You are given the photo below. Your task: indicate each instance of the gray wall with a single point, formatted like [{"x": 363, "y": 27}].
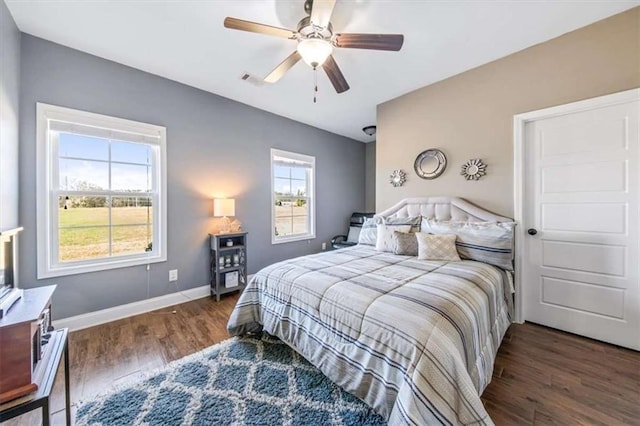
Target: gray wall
[
  {"x": 215, "y": 147},
  {"x": 9, "y": 106},
  {"x": 370, "y": 177}
]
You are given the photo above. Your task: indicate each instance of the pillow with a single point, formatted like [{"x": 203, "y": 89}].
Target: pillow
[
  {"x": 437, "y": 247},
  {"x": 488, "y": 242},
  {"x": 368, "y": 234},
  {"x": 384, "y": 240},
  {"x": 354, "y": 234},
  {"x": 413, "y": 221},
  {"x": 405, "y": 244}
]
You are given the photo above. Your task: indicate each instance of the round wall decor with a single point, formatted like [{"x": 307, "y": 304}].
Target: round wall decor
[
  {"x": 473, "y": 169},
  {"x": 430, "y": 164},
  {"x": 397, "y": 178}
]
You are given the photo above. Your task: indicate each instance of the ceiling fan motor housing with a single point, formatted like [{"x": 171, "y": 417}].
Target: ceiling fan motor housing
[{"x": 307, "y": 29}]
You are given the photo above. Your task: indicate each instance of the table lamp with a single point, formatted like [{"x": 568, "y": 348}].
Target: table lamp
[{"x": 224, "y": 207}]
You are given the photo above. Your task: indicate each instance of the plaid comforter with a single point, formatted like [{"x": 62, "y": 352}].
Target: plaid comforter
[{"x": 414, "y": 339}]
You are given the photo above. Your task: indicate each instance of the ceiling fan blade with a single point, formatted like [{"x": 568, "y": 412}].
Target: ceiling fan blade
[
  {"x": 254, "y": 27},
  {"x": 321, "y": 12},
  {"x": 284, "y": 66},
  {"x": 370, "y": 41},
  {"x": 335, "y": 75}
]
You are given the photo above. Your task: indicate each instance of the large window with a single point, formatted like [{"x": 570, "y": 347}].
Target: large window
[
  {"x": 101, "y": 192},
  {"x": 292, "y": 196}
]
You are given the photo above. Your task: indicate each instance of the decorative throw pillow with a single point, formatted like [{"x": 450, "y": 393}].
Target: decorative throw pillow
[
  {"x": 354, "y": 234},
  {"x": 405, "y": 243},
  {"x": 369, "y": 232},
  {"x": 437, "y": 247},
  {"x": 384, "y": 241},
  {"x": 488, "y": 242}
]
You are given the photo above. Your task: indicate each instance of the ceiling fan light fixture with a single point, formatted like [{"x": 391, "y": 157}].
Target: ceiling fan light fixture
[{"x": 314, "y": 51}]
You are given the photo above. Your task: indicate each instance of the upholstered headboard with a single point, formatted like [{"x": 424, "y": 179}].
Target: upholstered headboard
[{"x": 442, "y": 208}]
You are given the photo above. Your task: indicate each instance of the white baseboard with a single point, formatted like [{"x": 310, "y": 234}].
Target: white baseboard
[{"x": 91, "y": 319}]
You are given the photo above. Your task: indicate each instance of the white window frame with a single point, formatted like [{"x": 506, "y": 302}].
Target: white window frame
[
  {"x": 311, "y": 197},
  {"x": 48, "y": 190}
]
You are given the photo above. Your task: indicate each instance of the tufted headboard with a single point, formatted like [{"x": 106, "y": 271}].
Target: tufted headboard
[{"x": 442, "y": 208}]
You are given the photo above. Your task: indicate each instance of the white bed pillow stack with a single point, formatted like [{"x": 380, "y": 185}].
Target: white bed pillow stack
[
  {"x": 369, "y": 233},
  {"x": 488, "y": 242}
]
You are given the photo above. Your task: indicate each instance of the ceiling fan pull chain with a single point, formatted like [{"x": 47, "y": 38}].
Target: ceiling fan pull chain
[{"x": 315, "y": 84}]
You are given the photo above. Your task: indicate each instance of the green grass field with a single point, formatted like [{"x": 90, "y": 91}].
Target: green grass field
[{"x": 130, "y": 232}]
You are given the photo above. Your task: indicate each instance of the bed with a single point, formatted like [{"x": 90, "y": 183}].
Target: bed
[{"x": 414, "y": 339}]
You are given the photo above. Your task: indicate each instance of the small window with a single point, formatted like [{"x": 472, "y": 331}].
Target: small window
[
  {"x": 101, "y": 192},
  {"x": 292, "y": 196}
]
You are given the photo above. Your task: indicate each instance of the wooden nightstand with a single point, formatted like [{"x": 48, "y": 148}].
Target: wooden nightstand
[{"x": 228, "y": 262}]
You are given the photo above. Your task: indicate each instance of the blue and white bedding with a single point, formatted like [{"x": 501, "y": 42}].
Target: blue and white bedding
[{"x": 414, "y": 339}]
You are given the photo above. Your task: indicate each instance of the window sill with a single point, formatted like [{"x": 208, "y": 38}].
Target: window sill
[
  {"x": 292, "y": 239},
  {"x": 60, "y": 270}
]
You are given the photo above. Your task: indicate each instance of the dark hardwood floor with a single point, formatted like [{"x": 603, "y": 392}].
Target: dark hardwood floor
[{"x": 542, "y": 376}]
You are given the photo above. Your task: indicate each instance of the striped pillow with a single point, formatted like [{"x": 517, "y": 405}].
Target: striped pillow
[
  {"x": 487, "y": 242},
  {"x": 369, "y": 233}
]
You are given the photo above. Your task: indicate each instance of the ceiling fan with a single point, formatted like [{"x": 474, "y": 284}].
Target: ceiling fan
[{"x": 316, "y": 42}]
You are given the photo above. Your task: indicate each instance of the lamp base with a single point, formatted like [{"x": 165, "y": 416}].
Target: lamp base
[{"x": 226, "y": 225}]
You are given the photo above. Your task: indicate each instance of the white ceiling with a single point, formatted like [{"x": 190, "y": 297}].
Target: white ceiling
[{"x": 186, "y": 41}]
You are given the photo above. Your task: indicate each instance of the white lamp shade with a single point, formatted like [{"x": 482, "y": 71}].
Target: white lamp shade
[
  {"x": 314, "y": 51},
  {"x": 224, "y": 207}
]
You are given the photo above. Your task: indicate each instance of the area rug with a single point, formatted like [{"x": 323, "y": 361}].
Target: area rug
[{"x": 241, "y": 381}]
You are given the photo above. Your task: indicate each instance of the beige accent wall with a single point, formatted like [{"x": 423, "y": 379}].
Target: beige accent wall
[{"x": 471, "y": 115}]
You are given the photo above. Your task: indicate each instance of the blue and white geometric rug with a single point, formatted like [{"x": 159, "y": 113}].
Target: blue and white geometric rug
[{"x": 241, "y": 381}]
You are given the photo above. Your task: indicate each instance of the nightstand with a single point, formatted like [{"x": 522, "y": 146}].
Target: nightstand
[{"x": 228, "y": 262}]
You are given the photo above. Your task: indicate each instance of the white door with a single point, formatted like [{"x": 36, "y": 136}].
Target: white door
[{"x": 580, "y": 268}]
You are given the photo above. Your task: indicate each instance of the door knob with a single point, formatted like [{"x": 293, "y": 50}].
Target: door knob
[{"x": 532, "y": 231}]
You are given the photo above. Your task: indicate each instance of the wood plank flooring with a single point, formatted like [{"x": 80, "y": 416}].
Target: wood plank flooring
[{"x": 542, "y": 376}]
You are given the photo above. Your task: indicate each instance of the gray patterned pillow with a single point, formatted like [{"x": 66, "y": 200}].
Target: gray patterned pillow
[{"x": 405, "y": 243}]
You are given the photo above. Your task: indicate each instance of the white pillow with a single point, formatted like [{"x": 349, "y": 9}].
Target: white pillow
[
  {"x": 368, "y": 233},
  {"x": 384, "y": 239},
  {"x": 354, "y": 234},
  {"x": 437, "y": 247}
]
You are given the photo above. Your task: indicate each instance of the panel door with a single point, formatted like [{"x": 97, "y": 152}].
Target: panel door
[{"x": 581, "y": 267}]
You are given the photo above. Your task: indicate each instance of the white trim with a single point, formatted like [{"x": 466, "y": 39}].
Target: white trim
[
  {"x": 46, "y": 192},
  {"x": 519, "y": 123},
  {"x": 311, "y": 196},
  {"x": 103, "y": 316}
]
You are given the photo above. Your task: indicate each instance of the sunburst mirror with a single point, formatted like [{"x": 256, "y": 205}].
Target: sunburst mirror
[
  {"x": 397, "y": 178},
  {"x": 474, "y": 169}
]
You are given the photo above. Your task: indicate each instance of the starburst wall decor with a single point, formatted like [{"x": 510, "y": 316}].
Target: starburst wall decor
[
  {"x": 474, "y": 169},
  {"x": 398, "y": 178}
]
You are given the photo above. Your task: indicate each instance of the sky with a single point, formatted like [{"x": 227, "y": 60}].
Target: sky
[
  {"x": 83, "y": 166},
  {"x": 290, "y": 179}
]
